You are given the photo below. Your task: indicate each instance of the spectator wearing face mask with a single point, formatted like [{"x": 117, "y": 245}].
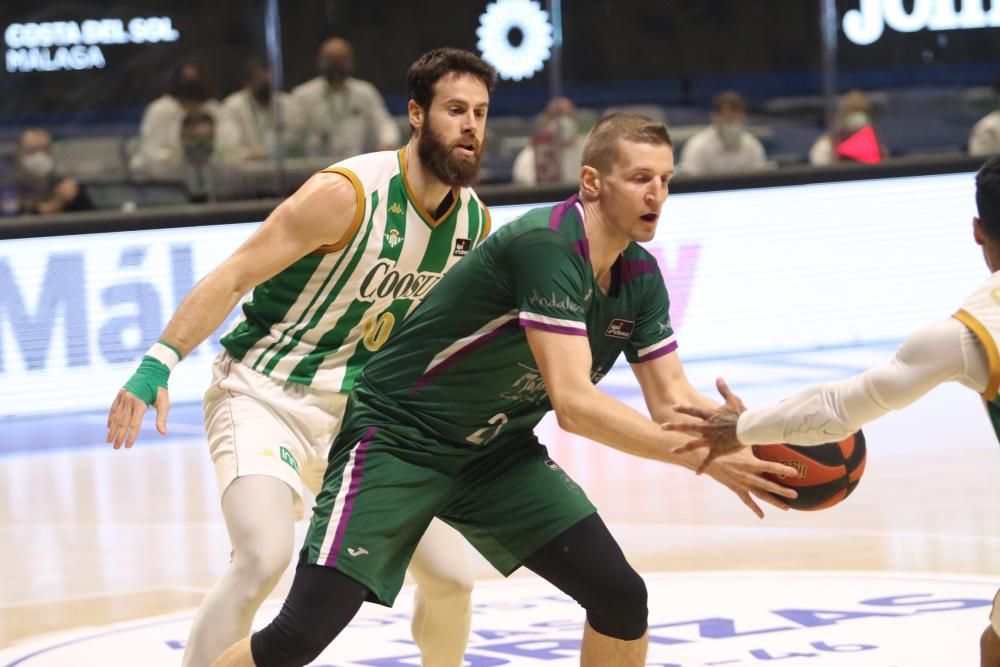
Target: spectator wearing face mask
[
  {"x": 854, "y": 112},
  {"x": 247, "y": 125},
  {"x": 197, "y": 137},
  {"x": 342, "y": 116},
  {"x": 159, "y": 152},
  {"x": 556, "y": 149},
  {"x": 40, "y": 189},
  {"x": 985, "y": 136},
  {"x": 725, "y": 146}
]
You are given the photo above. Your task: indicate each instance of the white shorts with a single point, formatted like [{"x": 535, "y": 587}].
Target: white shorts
[{"x": 260, "y": 426}]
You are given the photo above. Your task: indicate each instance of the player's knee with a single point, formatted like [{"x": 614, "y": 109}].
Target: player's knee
[
  {"x": 619, "y": 607},
  {"x": 445, "y": 586},
  {"x": 259, "y": 569}
]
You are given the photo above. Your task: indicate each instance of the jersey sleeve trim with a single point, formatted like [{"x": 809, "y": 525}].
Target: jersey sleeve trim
[
  {"x": 552, "y": 324},
  {"x": 487, "y": 224},
  {"x": 658, "y": 349},
  {"x": 359, "y": 211},
  {"x": 984, "y": 336}
]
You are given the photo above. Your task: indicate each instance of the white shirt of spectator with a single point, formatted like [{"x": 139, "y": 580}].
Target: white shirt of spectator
[
  {"x": 342, "y": 123},
  {"x": 705, "y": 153},
  {"x": 525, "y": 170},
  {"x": 159, "y": 152},
  {"x": 246, "y": 127},
  {"x": 985, "y": 136}
]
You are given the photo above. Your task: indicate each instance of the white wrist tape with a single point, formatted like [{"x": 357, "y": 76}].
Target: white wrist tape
[{"x": 165, "y": 354}]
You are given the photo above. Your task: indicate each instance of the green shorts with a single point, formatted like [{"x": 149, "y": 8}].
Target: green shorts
[{"x": 385, "y": 482}]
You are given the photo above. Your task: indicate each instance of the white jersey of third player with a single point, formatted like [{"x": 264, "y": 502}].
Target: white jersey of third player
[{"x": 318, "y": 321}]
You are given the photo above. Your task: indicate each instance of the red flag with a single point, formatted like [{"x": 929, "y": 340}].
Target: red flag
[{"x": 861, "y": 146}]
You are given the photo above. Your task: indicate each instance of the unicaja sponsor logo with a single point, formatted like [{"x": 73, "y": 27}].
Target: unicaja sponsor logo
[
  {"x": 867, "y": 24},
  {"x": 552, "y": 301}
]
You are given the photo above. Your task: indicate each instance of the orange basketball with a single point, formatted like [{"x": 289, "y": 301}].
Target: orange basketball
[{"x": 827, "y": 473}]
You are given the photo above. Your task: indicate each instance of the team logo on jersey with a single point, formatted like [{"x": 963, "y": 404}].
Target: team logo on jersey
[
  {"x": 620, "y": 329},
  {"x": 462, "y": 247},
  {"x": 393, "y": 237},
  {"x": 288, "y": 458},
  {"x": 395, "y": 208}
]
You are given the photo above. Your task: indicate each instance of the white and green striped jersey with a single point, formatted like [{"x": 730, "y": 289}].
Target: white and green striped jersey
[{"x": 318, "y": 321}]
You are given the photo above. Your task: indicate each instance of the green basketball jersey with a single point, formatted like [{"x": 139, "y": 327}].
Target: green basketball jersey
[
  {"x": 981, "y": 314},
  {"x": 461, "y": 368},
  {"x": 317, "y": 322}
]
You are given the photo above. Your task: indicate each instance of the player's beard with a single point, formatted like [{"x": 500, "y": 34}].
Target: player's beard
[{"x": 441, "y": 160}]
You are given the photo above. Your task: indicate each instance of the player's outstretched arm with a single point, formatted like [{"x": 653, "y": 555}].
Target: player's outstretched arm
[
  {"x": 665, "y": 386},
  {"x": 581, "y": 408},
  {"x": 938, "y": 352},
  {"x": 321, "y": 212}
]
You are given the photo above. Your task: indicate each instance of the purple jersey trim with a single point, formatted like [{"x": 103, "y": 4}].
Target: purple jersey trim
[
  {"x": 560, "y": 210},
  {"x": 352, "y": 493},
  {"x": 663, "y": 351},
  {"x": 633, "y": 268},
  {"x": 554, "y": 328},
  {"x": 460, "y": 354}
]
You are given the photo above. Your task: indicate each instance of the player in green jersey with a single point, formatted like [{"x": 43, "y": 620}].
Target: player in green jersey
[
  {"x": 334, "y": 269},
  {"x": 441, "y": 418}
]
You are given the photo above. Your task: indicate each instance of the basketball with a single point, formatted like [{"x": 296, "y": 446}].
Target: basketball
[{"x": 828, "y": 473}]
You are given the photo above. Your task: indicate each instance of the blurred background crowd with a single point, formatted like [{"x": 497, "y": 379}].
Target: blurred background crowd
[{"x": 137, "y": 105}]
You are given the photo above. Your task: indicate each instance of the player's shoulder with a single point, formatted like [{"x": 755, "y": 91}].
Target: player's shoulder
[
  {"x": 639, "y": 265},
  {"x": 371, "y": 170},
  {"x": 531, "y": 227},
  {"x": 989, "y": 288}
]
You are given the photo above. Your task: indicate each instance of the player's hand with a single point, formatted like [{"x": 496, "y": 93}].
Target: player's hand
[
  {"x": 147, "y": 386},
  {"x": 716, "y": 429},
  {"x": 744, "y": 474},
  {"x": 126, "y": 413}
]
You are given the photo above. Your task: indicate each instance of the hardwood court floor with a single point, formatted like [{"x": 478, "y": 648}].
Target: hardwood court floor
[{"x": 90, "y": 536}]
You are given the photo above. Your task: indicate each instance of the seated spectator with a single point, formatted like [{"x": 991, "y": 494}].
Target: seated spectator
[
  {"x": 725, "y": 146},
  {"x": 40, "y": 189},
  {"x": 342, "y": 116},
  {"x": 556, "y": 149},
  {"x": 197, "y": 139},
  {"x": 159, "y": 153},
  {"x": 985, "y": 136},
  {"x": 854, "y": 112},
  {"x": 247, "y": 128}
]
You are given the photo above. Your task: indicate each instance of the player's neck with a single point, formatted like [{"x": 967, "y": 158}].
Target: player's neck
[
  {"x": 428, "y": 190},
  {"x": 605, "y": 244}
]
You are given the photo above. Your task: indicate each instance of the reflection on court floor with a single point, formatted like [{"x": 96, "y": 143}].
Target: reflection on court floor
[{"x": 107, "y": 553}]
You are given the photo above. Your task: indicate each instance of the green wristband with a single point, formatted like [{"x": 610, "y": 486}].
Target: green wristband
[{"x": 145, "y": 383}]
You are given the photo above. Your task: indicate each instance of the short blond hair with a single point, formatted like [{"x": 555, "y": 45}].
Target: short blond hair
[{"x": 601, "y": 148}]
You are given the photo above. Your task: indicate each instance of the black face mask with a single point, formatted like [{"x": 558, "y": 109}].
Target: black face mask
[
  {"x": 194, "y": 90},
  {"x": 262, "y": 94},
  {"x": 335, "y": 73},
  {"x": 198, "y": 150}
]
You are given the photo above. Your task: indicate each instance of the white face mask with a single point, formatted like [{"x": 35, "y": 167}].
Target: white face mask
[
  {"x": 38, "y": 164},
  {"x": 567, "y": 129},
  {"x": 855, "y": 120},
  {"x": 731, "y": 134}
]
